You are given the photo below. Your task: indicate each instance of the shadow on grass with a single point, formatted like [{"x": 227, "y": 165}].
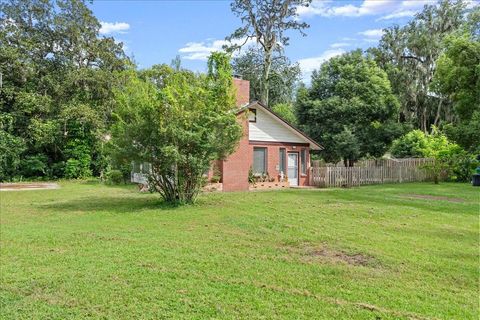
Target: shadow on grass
[{"x": 109, "y": 204}]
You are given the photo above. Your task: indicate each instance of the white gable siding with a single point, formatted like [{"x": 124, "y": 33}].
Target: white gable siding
[{"x": 268, "y": 128}]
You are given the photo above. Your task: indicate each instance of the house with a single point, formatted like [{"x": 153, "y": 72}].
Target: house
[{"x": 269, "y": 146}]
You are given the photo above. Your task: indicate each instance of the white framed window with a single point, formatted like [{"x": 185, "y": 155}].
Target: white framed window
[{"x": 259, "y": 160}]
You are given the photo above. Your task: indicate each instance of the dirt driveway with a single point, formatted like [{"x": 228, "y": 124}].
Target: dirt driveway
[{"x": 28, "y": 186}]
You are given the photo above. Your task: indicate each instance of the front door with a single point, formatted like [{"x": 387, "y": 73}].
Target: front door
[{"x": 292, "y": 172}]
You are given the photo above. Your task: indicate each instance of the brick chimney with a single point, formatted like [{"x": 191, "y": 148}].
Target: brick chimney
[{"x": 243, "y": 91}]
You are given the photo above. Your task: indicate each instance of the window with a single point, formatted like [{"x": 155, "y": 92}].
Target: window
[
  {"x": 252, "y": 115},
  {"x": 303, "y": 161},
  {"x": 259, "y": 160},
  {"x": 282, "y": 166}
]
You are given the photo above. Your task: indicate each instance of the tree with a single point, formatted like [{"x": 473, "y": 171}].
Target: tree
[
  {"x": 11, "y": 147},
  {"x": 286, "y": 111},
  {"x": 267, "y": 22},
  {"x": 284, "y": 75},
  {"x": 458, "y": 78},
  {"x": 408, "y": 55},
  {"x": 179, "y": 125},
  {"x": 349, "y": 108},
  {"x": 58, "y": 75}
]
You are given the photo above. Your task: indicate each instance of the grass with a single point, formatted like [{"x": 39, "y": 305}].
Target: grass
[{"x": 98, "y": 252}]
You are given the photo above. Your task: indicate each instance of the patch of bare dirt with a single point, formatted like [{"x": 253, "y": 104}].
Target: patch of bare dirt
[
  {"x": 28, "y": 186},
  {"x": 322, "y": 253},
  {"x": 429, "y": 197},
  {"x": 356, "y": 259}
]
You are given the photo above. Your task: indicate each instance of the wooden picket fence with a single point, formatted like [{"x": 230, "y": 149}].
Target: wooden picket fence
[{"x": 370, "y": 172}]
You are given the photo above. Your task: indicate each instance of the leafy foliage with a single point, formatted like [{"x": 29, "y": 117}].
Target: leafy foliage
[
  {"x": 286, "y": 111},
  {"x": 451, "y": 161},
  {"x": 458, "y": 78},
  {"x": 179, "y": 125},
  {"x": 58, "y": 75},
  {"x": 416, "y": 143},
  {"x": 11, "y": 147},
  {"x": 115, "y": 177},
  {"x": 350, "y": 108}
]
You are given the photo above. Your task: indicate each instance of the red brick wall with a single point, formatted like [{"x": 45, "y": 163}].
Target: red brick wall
[
  {"x": 235, "y": 167},
  {"x": 242, "y": 91},
  {"x": 273, "y": 158}
]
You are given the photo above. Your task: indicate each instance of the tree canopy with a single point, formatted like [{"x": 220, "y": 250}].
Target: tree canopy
[
  {"x": 56, "y": 98},
  {"x": 408, "y": 54},
  {"x": 457, "y": 77},
  {"x": 349, "y": 108}
]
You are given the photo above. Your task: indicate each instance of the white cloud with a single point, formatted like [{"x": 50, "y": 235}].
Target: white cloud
[
  {"x": 307, "y": 65},
  {"x": 389, "y": 8},
  {"x": 201, "y": 50},
  {"x": 113, "y": 27},
  {"x": 372, "y": 33},
  {"x": 339, "y": 45},
  {"x": 398, "y": 14}
]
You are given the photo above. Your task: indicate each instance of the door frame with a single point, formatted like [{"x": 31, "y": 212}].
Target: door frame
[{"x": 298, "y": 166}]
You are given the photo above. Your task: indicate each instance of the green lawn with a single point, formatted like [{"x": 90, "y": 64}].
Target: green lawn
[{"x": 375, "y": 252}]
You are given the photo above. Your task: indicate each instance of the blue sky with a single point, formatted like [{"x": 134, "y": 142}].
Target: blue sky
[{"x": 155, "y": 32}]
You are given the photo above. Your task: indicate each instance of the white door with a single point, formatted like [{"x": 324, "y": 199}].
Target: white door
[{"x": 292, "y": 172}]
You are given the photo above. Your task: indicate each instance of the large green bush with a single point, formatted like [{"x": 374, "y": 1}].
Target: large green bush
[
  {"x": 115, "y": 177},
  {"x": 412, "y": 145},
  {"x": 178, "y": 122},
  {"x": 451, "y": 161},
  {"x": 417, "y": 144},
  {"x": 34, "y": 166}
]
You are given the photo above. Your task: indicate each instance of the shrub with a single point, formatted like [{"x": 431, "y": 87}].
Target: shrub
[
  {"x": 76, "y": 169},
  {"x": 79, "y": 161},
  {"x": 451, "y": 161},
  {"x": 215, "y": 179},
  {"x": 33, "y": 166},
  {"x": 251, "y": 176},
  {"x": 57, "y": 170},
  {"x": 461, "y": 165},
  {"x": 417, "y": 144},
  {"x": 413, "y": 144},
  {"x": 115, "y": 177},
  {"x": 178, "y": 124}
]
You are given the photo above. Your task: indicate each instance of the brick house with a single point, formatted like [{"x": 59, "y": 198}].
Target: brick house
[{"x": 270, "y": 145}]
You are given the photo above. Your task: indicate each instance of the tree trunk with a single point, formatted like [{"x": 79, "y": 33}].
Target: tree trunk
[
  {"x": 265, "y": 77},
  {"x": 437, "y": 117}
]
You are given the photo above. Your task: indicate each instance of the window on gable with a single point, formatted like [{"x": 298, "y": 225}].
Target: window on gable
[
  {"x": 252, "y": 115},
  {"x": 259, "y": 161}
]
